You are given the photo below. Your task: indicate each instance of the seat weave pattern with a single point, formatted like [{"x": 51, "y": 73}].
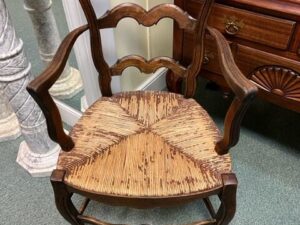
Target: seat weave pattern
[{"x": 145, "y": 144}]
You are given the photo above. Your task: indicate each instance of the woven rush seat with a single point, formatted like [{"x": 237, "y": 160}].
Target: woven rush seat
[{"x": 145, "y": 144}]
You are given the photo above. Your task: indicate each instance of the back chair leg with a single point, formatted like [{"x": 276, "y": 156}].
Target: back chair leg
[
  {"x": 228, "y": 199},
  {"x": 63, "y": 198}
]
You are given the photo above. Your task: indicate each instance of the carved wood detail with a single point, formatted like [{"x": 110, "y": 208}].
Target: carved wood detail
[
  {"x": 147, "y": 66},
  {"x": 270, "y": 37},
  {"x": 278, "y": 80},
  {"x": 131, "y": 10}
]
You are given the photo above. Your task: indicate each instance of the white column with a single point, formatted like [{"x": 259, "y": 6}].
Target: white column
[
  {"x": 37, "y": 153},
  {"x": 75, "y": 18},
  {"x": 48, "y": 37},
  {"x": 9, "y": 125}
]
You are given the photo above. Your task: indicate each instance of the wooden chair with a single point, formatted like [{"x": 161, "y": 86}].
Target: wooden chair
[{"x": 145, "y": 149}]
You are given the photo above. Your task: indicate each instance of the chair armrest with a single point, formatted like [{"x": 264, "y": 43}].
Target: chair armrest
[
  {"x": 236, "y": 80},
  {"x": 39, "y": 90},
  {"x": 243, "y": 89}
]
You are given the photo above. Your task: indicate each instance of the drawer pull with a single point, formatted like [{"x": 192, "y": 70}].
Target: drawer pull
[
  {"x": 206, "y": 60},
  {"x": 232, "y": 26},
  {"x": 207, "y": 57}
]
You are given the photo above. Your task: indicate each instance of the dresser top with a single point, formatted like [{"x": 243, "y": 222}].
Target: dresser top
[{"x": 289, "y": 9}]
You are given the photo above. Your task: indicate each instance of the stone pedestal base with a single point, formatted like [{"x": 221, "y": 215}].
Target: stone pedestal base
[
  {"x": 68, "y": 86},
  {"x": 38, "y": 165},
  {"x": 9, "y": 128}
]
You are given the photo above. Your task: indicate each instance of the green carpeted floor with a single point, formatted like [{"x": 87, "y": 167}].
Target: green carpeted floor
[{"x": 266, "y": 161}]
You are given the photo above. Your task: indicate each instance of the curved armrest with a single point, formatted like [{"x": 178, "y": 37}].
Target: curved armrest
[
  {"x": 236, "y": 80},
  {"x": 39, "y": 90},
  {"x": 243, "y": 89}
]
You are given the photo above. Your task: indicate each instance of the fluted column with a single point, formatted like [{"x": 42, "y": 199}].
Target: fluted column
[
  {"x": 37, "y": 154},
  {"x": 48, "y": 38},
  {"x": 9, "y": 125}
]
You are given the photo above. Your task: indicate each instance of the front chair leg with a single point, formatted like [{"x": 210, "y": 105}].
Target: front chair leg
[
  {"x": 63, "y": 198},
  {"x": 228, "y": 199}
]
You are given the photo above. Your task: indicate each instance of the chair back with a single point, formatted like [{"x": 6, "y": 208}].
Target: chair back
[{"x": 147, "y": 18}]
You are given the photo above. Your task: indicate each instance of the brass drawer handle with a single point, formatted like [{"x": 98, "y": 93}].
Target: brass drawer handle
[
  {"x": 206, "y": 60},
  {"x": 208, "y": 56},
  {"x": 232, "y": 25}
]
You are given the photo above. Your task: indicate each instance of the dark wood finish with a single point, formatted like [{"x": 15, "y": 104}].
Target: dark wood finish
[
  {"x": 242, "y": 88},
  {"x": 198, "y": 51},
  {"x": 239, "y": 23},
  {"x": 264, "y": 33},
  {"x": 279, "y": 85},
  {"x": 238, "y": 83},
  {"x": 39, "y": 90},
  {"x": 142, "y": 120},
  {"x": 174, "y": 82},
  {"x": 228, "y": 200},
  {"x": 148, "y": 18},
  {"x": 63, "y": 198},
  {"x": 111, "y": 19},
  {"x": 96, "y": 47},
  {"x": 146, "y": 66},
  {"x": 63, "y": 193},
  {"x": 210, "y": 207}
]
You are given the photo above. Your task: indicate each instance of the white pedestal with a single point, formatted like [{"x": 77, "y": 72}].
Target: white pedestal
[
  {"x": 68, "y": 86},
  {"x": 9, "y": 128},
  {"x": 38, "y": 165}
]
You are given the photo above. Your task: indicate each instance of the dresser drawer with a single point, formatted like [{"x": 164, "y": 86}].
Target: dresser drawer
[
  {"x": 210, "y": 61},
  {"x": 250, "y": 26},
  {"x": 249, "y": 59}
]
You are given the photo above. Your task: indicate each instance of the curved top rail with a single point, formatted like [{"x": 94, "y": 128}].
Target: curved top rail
[{"x": 147, "y": 18}]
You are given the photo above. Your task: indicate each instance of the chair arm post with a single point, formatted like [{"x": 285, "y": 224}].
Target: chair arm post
[
  {"x": 243, "y": 89},
  {"x": 233, "y": 119},
  {"x": 39, "y": 90},
  {"x": 53, "y": 119}
]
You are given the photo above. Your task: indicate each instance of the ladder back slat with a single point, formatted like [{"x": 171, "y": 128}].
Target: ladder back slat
[{"x": 147, "y": 66}]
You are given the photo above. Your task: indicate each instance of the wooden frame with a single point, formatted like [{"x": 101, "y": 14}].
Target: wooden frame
[
  {"x": 244, "y": 90},
  {"x": 63, "y": 194}
]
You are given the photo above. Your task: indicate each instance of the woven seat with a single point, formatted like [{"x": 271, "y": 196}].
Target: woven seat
[{"x": 145, "y": 144}]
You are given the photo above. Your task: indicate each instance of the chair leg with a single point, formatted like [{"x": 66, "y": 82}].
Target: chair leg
[
  {"x": 228, "y": 200},
  {"x": 63, "y": 198}
]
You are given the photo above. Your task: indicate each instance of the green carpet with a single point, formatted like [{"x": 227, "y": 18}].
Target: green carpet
[{"x": 266, "y": 161}]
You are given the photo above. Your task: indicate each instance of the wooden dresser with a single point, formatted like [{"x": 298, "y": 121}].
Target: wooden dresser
[{"x": 265, "y": 39}]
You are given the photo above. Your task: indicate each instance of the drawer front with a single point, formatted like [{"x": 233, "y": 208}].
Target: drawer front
[
  {"x": 210, "y": 61},
  {"x": 249, "y": 59},
  {"x": 255, "y": 27}
]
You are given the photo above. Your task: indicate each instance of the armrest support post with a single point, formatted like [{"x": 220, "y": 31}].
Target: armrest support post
[
  {"x": 243, "y": 89},
  {"x": 39, "y": 90}
]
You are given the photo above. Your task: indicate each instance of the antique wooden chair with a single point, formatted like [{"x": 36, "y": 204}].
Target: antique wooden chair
[{"x": 145, "y": 149}]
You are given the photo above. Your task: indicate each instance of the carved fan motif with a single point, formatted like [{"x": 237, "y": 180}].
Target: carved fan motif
[{"x": 278, "y": 80}]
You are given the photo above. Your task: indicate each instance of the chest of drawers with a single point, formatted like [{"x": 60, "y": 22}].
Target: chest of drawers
[{"x": 265, "y": 39}]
